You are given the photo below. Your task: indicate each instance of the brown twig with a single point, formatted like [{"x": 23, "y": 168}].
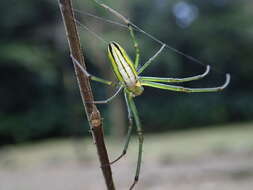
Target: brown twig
[{"x": 92, "y": 112}]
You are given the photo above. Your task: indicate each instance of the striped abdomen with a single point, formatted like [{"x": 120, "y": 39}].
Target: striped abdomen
[{"x": 124, "y": 69}]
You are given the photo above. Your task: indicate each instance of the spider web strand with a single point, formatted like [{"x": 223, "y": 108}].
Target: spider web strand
[{"x": 138, "y": 29}]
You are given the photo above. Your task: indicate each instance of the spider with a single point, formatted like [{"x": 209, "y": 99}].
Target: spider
[{"x": 131, "y": 82}]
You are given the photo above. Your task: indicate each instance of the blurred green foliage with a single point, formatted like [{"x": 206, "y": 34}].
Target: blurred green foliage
[{"x": 38, "y": 93}]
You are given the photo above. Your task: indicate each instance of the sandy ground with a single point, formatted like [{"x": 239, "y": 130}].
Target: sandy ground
[{"x": 67, "y": 165}]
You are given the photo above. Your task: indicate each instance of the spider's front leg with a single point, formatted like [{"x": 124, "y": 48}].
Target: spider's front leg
[
  {"x": 136, "y": 46},
  {"x": 130, "y": 27}
]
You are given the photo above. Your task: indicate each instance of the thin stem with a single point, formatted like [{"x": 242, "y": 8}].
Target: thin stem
[{"x": 92, "y": 112}]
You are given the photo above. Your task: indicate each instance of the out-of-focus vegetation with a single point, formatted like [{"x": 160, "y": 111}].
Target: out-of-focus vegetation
[
  {"x": 38, "y": 93},
  {"x": 219, "y": 157},
  {"x": 199, "y": 142}
]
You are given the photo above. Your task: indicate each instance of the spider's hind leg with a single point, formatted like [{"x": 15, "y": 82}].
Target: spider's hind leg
[{"x": 140, "y": 139}]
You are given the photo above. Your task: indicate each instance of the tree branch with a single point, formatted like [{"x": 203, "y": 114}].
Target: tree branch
[{"x": 92, "y": 112}]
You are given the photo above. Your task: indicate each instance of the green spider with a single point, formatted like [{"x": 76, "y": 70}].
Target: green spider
[{"x": 128, "y": 73}]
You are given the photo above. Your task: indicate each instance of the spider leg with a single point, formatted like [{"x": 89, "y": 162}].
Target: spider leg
[
  {"x": 97, "y": 79},
  {"x": 175, "y": 80},
  {"x": 110, "y": 98},
  {"x": 129, "y": 131},
  {"x": 151, "y": 59},
  {"x": 126, "y": 21},
  {"x": 183, "y": 89},
  {"x": 140, "y": 139},
  {"x": 92, "y": 77},
  {"x": 136, "y": 46},
  {"x": 117, "y": 14}
]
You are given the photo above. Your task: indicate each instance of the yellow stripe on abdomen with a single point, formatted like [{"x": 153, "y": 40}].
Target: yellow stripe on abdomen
[{"x": 123, "y": 66}]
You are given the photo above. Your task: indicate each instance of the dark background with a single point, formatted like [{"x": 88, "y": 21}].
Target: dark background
[{"x": 39, "y": 97}]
